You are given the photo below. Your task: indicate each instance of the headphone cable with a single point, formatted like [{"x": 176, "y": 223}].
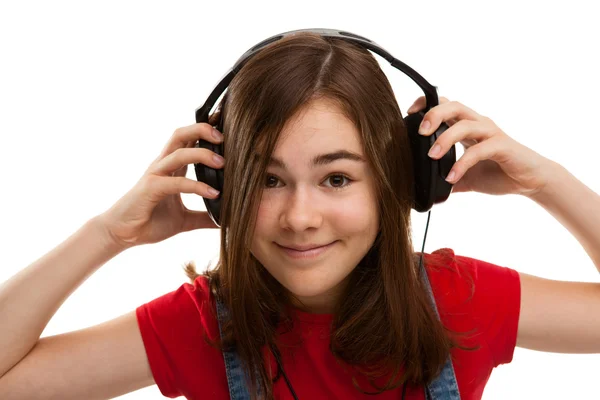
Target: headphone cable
[{"x": 275, "y": 352}]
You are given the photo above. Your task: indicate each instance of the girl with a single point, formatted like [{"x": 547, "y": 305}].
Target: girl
[{"x": 318, "y": 291}]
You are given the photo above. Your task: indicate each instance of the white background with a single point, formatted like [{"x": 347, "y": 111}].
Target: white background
[{"x": 91, "y": 91}]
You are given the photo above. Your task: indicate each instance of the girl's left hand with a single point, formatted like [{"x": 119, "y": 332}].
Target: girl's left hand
[{"x": 493, "y": 162}]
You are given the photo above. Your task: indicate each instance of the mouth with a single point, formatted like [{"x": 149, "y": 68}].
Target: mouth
[
  {"x": 311, "y": 251},
  {"x": 304, "y": 247}
]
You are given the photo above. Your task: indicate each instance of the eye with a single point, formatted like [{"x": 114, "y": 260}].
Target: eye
[
  {"x": 336, "y": 180},
  {"x": 270, "y": 178},
  {"x": 339, "y": 179}
]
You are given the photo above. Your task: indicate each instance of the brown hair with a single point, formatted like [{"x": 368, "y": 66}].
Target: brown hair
[{"x": 385, "y": 297}]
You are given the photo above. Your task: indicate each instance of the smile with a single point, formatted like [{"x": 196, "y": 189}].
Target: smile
[{"x": 306, "y": 254}]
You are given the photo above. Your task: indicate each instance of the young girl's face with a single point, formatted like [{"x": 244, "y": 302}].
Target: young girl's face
[{"x": 331, "y": 203}]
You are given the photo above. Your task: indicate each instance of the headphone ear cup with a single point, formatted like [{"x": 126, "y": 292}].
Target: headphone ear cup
[
  {"x": 212, "y": 177},
  {"x": 429, "y": 176}
]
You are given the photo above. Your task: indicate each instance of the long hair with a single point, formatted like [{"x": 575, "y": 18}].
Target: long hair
[{"x": 384, "y": 322}]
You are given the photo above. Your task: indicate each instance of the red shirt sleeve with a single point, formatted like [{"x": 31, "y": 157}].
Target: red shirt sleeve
[
  {"x": 497, "y": 306},
  {"x": 172, "y": 328},
  {"x": 490, "y": 294}
]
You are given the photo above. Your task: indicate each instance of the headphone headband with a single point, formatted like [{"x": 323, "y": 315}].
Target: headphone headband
[{"x": 431, "y": 98}]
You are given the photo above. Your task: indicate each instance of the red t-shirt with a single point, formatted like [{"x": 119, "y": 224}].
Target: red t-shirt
[{"x": 183, "y": 364}]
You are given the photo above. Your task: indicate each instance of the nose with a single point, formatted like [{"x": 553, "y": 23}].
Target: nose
[{"x": 301, "y": 211}]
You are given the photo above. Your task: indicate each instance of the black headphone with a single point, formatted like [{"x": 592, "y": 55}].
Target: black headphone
[{"x": 430, "y": 186}]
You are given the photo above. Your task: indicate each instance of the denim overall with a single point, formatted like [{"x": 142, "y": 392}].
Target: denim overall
[{"x": 444, "y": 387}]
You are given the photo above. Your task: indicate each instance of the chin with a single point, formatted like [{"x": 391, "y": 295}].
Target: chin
[{"x": 309, "y": 285}]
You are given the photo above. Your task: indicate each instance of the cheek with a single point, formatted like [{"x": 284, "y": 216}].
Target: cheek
[
  {"x": 267, "y": 210},
  {"x": 359, "y": 214}
]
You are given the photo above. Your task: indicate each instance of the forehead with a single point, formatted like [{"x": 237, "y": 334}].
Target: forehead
[{"x": 322, "y": 123}]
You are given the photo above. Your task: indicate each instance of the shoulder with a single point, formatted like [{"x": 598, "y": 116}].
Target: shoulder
[
  {"x": 173, "y": 327},
  {"x": 477, "y": 296},
  {"x": 189, "y": 306},
  {"x": 457, "y": 279}
]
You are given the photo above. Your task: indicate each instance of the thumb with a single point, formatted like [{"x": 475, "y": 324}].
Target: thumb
[
  {"x": 461, "y": 186},
  {"x": 193, "y": 220}
]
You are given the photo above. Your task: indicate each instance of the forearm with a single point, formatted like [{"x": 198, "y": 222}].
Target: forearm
[
  {"x": 575, "y": 206},
  {"x": 30, "y": 298}
]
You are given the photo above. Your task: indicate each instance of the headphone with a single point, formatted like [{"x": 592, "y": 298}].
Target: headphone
[{"x": 430, "y": 186}]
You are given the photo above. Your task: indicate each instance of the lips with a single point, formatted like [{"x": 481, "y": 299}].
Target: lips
[
  {"x": 304, "y": 247},
  {"x": 311, "y": 253}
]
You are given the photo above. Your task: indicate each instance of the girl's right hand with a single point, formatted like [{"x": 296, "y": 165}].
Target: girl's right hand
[{"x": 152, "y": 210}]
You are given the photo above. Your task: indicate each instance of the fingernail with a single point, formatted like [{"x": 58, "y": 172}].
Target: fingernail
[
  {"x": 435, "y": 150},
  {"x": 450, "y": 176},
  {"x": 218, "y": 159},
  {"x": 212, "y": 191},
  {"x": 424, "y": 127},
  {"x": 217, "y": 135}
]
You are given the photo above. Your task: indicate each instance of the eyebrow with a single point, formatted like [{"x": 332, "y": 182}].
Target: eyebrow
[{"x": 322, "y": 159}]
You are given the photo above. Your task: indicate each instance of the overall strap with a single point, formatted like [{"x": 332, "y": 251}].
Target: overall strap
[
  {"x": 444, "y": 387},
  {"x": 236, "y": 376}
]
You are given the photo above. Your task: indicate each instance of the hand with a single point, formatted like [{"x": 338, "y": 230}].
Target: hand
[
  {"x": 493, "y": 162},
  {"x": 152, "y": 210}
]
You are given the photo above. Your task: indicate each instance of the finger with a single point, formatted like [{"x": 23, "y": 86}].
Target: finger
[
  {"x": 486, "y": 150},
  {"x": 181, "y": 171},
  {"x": 463, "y": 131},
  {"x": 162, "y": 186},
  {"x": 446, "y": 112},
  {"x": 182, "y": 157},
  {"x": 468, "y": 143},
  {"x": 420, "y": 103},
  {"x": 189, "y": 135}
]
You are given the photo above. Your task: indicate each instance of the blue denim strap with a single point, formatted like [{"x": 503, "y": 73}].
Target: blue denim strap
[
  {"x": 443, "y": 387},
  {"x": 236, "y": 375}
]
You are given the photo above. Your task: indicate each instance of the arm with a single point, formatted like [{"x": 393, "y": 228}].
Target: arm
[
  {"x": 97, "y": 362},
  {"x": 564, "y": 316},
  {"x": 30, "y": 298},
  {"x": 575, "y": 206}
]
